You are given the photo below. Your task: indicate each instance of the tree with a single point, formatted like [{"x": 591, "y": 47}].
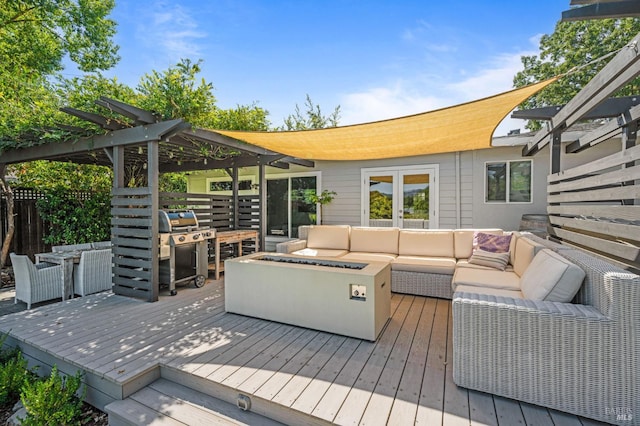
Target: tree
[
  {"x": 37, "y": 34},
  {"x": 575, "y": 44},
  {"x": 312, "y": 118},
  {"x": 35, "y": 37},
  {"x": 178, "y": 93}
]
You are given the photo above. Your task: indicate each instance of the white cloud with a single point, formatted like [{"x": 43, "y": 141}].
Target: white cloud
[
  {"x": 419, "y": 94},
  {"x": 173, "y": 30}
]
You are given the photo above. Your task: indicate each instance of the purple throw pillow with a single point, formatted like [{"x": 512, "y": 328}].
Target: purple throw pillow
[{"x": 492, "y": 243}]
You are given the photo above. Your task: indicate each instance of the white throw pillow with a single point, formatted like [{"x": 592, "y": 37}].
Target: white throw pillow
[{"x": 551, "y": 277}]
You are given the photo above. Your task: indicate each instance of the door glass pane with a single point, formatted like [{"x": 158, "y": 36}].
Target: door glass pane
[
  {"x": 520, "y": 182},
  {"x": 277, "y": 207},
  {"x": 303, "y": 211},
  {"x": 381, "y": 201},
  {"x": 415, "y": 204}
]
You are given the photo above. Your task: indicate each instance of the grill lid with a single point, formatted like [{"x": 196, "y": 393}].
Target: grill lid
[{"x": 174, "y": 220}]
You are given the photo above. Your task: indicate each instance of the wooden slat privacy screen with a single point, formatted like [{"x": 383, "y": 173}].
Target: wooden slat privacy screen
[
  {"x": 131, "y": 237},
  {"x": 596, "y": 206}
]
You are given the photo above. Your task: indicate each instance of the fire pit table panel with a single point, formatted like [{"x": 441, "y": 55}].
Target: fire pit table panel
[{"x": 348, "y": 298}]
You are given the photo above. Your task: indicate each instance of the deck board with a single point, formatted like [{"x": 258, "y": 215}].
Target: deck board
[{"x": 405, "y": 377}]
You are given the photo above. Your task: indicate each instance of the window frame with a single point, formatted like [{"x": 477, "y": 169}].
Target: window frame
[{"x": 508, "y": 182}]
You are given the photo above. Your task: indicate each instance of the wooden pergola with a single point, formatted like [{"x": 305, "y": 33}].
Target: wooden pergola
[{"x": 140, "y": 140}]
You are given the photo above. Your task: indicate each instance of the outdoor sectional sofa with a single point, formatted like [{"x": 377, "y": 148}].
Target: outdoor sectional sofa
[
  {"x": 511, "y": 335},
  {"x": 423, "y": 262}
]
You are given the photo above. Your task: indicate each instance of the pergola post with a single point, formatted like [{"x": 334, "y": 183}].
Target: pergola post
[
  {"x": 235, "y": 191},
  {"x": 262, "y": 207},
  {"x": 153, "y": 184},
  {"x": 555, "y": 151}
]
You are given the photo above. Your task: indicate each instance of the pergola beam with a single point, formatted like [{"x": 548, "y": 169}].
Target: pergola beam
[
  {"x": 620, "y": 70},
  {"x": 606, "y": 132},
  {"x": 238, "y": 161},
  {"x": 217, "y": 138},
  {"x": 602, "y": 10},
  {"x": 609, "y": 108},
  {"x": 132, "y": 135},
  {"x": 104, "y": 122},
  {"x": 139, "y": 115}
]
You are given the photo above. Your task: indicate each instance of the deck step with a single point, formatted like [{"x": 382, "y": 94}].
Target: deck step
[{"x": 164, "y": 402}]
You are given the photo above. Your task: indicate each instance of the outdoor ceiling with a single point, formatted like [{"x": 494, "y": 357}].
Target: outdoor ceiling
[{"x": 462, "y": 127}]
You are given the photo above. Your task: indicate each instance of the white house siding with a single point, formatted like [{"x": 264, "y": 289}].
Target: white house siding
[
  {"x": 344, "y": 177},
  {"x": 507, "y": 215},
  {"x": 467, "y": 211}
]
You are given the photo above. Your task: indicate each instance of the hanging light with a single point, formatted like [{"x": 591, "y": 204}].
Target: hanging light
[{"x": 140, "y": 150}]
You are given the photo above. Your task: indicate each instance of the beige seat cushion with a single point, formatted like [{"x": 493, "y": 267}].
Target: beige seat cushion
[
  {"x": 463, "y": 240},
  {"x": 431, "y": 243},
  {"x": 374, "y": 240},
  {"x": 485, "y": 278},
  {"x": 525, "y": 251},
  {"x": 369, "y": 257},
  {"x": 490, "y": 291},
  {"x": 320, "y": 252},
  {"x": 433, "y": 265},
  {"x": 551, "y": 277},
  {"x": 335, "y": 237}
]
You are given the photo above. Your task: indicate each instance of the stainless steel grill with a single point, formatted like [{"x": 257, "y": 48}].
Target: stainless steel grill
[{"x": 183, "y": 248}]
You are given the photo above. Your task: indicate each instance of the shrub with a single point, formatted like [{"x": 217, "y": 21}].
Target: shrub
[
  {"x": 6, "y": 354},
  {"x": 13, "y": 375},
  {"x": 53, "y": 401}
]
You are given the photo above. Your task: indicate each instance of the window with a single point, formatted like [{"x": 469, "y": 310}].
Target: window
[
  {"x": 508, "y": 182},
  {"x": 215, "y": 186},
  {"x": 224, "y": 186}
]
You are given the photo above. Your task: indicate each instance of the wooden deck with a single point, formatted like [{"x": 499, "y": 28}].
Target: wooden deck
[{"x": 292, "y": 375}]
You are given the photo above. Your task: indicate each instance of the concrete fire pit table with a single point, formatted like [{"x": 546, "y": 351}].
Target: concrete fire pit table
[{"x": 348, "y": 298}]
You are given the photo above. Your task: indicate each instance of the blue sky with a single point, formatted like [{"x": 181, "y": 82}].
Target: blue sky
[{"x": 376, "y": 59}]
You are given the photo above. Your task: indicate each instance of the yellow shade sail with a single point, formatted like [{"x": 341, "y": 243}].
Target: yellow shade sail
[{"x": 462, "y": 127}]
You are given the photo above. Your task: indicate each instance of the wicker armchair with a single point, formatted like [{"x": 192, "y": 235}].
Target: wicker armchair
[
  {"x": 93, "y": 273},
  {"x": 71, "y": 247},
  {"x": 35, "y": 283},
  {"x": 582, "y": 357},
  {"x": 101, "y": 244}
]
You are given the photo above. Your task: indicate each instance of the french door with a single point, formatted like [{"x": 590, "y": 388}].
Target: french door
[{"x": 404, "y": 197}]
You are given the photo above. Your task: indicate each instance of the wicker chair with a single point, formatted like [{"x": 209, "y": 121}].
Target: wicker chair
[
  {"x": 101, "y": 244},
  {"x": 581, "y": 357},
  {"x": 72, "y": 247},
  {"x": 35, "y": 283},
  {"x": 93, "y": 273}
]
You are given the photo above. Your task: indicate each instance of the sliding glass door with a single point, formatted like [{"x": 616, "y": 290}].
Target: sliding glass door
[{"x": 288, "y": 204}]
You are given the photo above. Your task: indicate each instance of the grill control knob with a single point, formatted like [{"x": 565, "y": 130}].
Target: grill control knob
[
  {"x": 196, "y": 236},
  {"x": 181, "y": 238}
]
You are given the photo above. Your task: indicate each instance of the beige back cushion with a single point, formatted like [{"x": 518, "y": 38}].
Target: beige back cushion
[
  {"x": 551, "y": 277},
  {"x": 335, "y": 237},
  {"x": 524, "y": 254},
  {"x": 426, "y": 243},
  {"x": 463, "y": 240},
  {"x": 374, "y": 240}
]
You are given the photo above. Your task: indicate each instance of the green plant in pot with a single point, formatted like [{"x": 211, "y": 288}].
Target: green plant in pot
[{"x": 325, "y": 197}]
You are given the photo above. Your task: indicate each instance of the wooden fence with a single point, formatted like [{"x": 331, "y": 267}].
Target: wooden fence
[
  {"x": 30, "y": 229},
  {"x": 214, "y": 211},
  {"x": 595, "y": 206}
]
